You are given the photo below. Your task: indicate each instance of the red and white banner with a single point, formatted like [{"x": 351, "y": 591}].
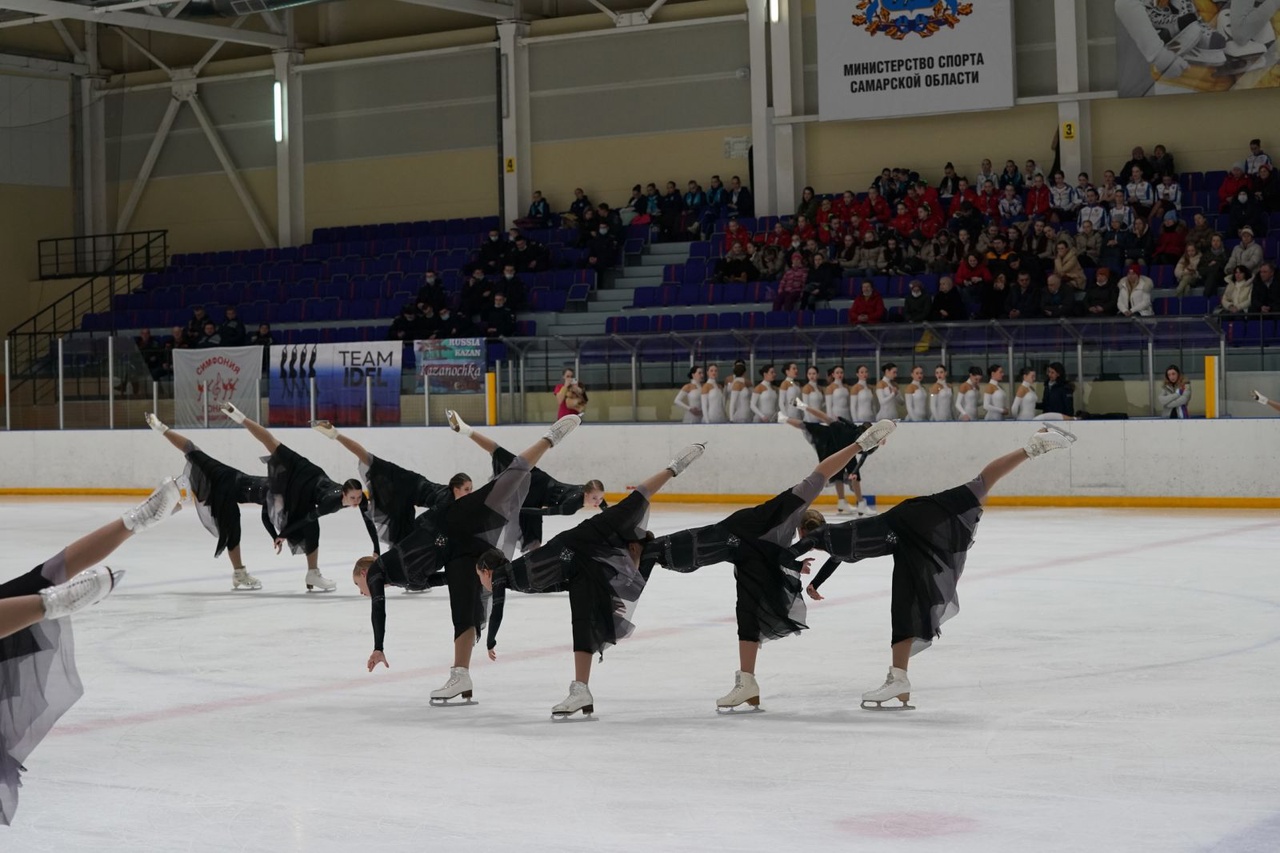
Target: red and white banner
[{"x": 207, "y": 378}]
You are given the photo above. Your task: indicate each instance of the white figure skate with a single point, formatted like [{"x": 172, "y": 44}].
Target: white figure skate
[
  {"x": 241, "y": 578},
  {"x": 745, "y": 692},
  {"x": 458, "y": 685},
  {"x": 896, "y": 686},
  {"x": 1048, "y": 438},
  {"x": 685, "y": 458},
  {"x": 863, "y": 509},
  {"x": 842, "y": 506},
  {"x": 561, "y": 429},
  {"x": 456, "y": 423},
  {"x": 234, "y": 414},
  {"x": 155, "y": 423},
  {"x": 88, "y": 587},
  {"x": 326, "y": 429},
  {"x": 317, "y": 582},
  {"x": 782, "y": 417},
  {"x": 158, "y": 506},
  {"x": 876, "y": 433},
  {"x": 579, "y": 699}
]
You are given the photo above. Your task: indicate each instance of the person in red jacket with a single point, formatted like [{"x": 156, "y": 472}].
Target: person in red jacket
[
  {"x": 927, "y": 222},
  {"x": 779, "y": 236},
  {"x": 804, "y": 230},
  {"x": 867, "y": 308},
  {"x": 847, "y": 205},
  {"x": 736, "y": 234},
  {"x": 1038, "y": 199},
  {"x": 972, "y": 276},
  {"x": 1173, "y": 240},
  {"x": 1236, "y": 180},
  {"x": 904, "y": 222},
  {"x": 876, "y": 207},
  {"x": 964, "y": 193},
  {"x": 988, "y": 203}
]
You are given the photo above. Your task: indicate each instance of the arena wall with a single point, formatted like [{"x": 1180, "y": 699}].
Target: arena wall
[{"x": 1224, "y": 463}]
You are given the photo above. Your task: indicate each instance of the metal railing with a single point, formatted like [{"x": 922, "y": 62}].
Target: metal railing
[{"x": 94, "y": 254}]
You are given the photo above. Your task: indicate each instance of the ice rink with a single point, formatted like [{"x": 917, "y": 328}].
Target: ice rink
[{"x": 1110, "y": 684}]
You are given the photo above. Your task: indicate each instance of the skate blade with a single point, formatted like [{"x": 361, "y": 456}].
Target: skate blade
[
  {"x": 873, "y": 705},
  {"x": 582, "y": 716},
  {"x": 461, "y": 699},
  {"x": 246, "y": 587},
  {"x": 1070, "y": 437},
  {"x": 416, "y": 591},
  {"x": 319, "y": 589},
  {"x": 743, "y": 709}
]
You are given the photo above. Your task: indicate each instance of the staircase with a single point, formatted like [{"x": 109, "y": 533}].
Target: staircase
[{"x": 610, "y": 301}]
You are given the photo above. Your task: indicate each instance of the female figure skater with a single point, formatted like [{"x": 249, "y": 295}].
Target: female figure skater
[
  {"x": 940, "y": 395},
  {"x": 916, "y": 397},
  {"x": 1175, "y": 394},
  {"x": 837, "y": 395},
  {"x": 218, "y": 491},
  {"x": 740, "y": 395},
  {"x": 993, "y": 396},
  {"x": 789, "y": 390},
  {"x": 689, "y": 397},
  {"x": 395, "y": 493},
  {"x": 812, "y": 395},
  {"x": 598, "y": 562},
  {"x": 929, "y": 538},
  {"x": 713, "y": 402},
  {"x": 457, "y": 534},
  {"x": 862, "y": 398},
  {"x": 887, "y": 393},
  {"x": 298, "y": 495},
  {"x": 829, "y": 436},
  {"x": 1025, "y": 398},
  {"x": 38, "y": 678},
  {"x": 770, "y": 604},
  {"x": 967, "y": 397},
  {"x": 764, "y": 397}
]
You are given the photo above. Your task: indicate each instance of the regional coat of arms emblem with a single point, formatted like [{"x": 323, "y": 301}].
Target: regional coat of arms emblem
[{"x": 900, "y": 18}]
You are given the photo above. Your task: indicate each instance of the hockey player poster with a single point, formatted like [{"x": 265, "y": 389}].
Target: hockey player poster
[
  {"x": 342, "y": 373},
  {"x": 1182, "y": 46},
  {"x": 207, "y": 378}
]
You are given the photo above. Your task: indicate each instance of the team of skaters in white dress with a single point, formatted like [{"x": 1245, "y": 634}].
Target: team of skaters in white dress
[{"x": 426, "y": 534}]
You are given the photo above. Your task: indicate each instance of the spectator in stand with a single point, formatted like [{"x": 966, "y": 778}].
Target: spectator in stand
[
  {"x": 1092, "y": 211},
  {"x": 211, "y": 337},
  {"x": 1162, "y": 164},
  {"x": 1245, "y": 211},
  {"x": 232, "y": 331},
  {"x": 949, "y": 185},
  {"x": 1268, "y": 288},
  {"x": 602, "y": 249},
  {"x": 735, "y": 233},
  {"x": 1214, "y": 268},
  {"x": 769, "y": 263},
  {"x": 1024, "y": 298},
  {"x": 1029, "y": 170},
  {"x": 449, "y": 325},
  {"x": 896, "y": 260},
  {"x": 947, "y": 306},
  {"x": 529, "y": 256},
  {"x": 609, "y": 217},
  {"x": 1139, "y": 194},
  {"x": 822, "y": 283},
  {"x": 1266, "y": 188},
  {"x": 868, "y": 308},
  {"x": 717, "y": 205},
  {"x": 152, "y": 353},
  {"x": 1134, "y": 296},
  {"x": 511, "y": 288},
  {"x": 195, "y": 325},
  {"x": 1083, "y": 185},
  {"x": 813, "y": 247},
  {"x": 1142, "y": 245},
  {"x": 539, "y": 215},
  {"x": 1239, "y": 295},
  {"x": 739, "y": 201},
  {"x": 804, "y": 230},
  {"x": 586, "y": 227},
  {"x": 988, "y": 203},
  {"x": 1110, "y": 190},
  {"x": 1115, "y": 242},
  {"x": 791, "y": 285},
  {"x": 1067, "y": 267},
  {"x": 1088, "y": 245},
  {"x": 1189, "y": 270},
  {"x": 636, "y": 204},
  {"x": 1011, "y": 210},
  {"x": 808, "y": 206},
  {"x": 1168, "y": 197},
  {"x": 1201, "y": 232},
  {"x": 431, "y": 293},
  {"x": 1247, "y": 253},
  {"x": 408, "y": 326},
  {"x": 917, "y": 304},
  {"x": 928, "y": 223},
  {"x": 941, "y": 254},
  {"x": 1038, "y": 199},
  {"x": 577, "y": 208},
  {"x": 994, "y": 303},
  {"x": 695, "y": 206},
  {"x": 429, "y": 323},
  {"x": 1257, "y": 158},
  {"x": 179, "y": 338},
  {"x": 1124, "y": 212},
  {"x": 477, "y": 294},
  {"x": 973, "y": 277},
  {"x": 1010, "y": 177},
  {"x": 735, "y": 266},
  {"x": 1138, "y": 160},
  {"x": 1064, "y": 201},
  {"x": 1055, "y": 300},
  {"x": 498, "y": 321},
  {"x": 1100, "y": 299},
  {"x": 903, "y": 222},
  {"x": 985, "y": 173},
  {"x": 262, "y": 338},
  {"x": 964, "y": 193},
  {"x": 1172, "y": 243},
  {"x": 876, "y": 209},
  {"x": 847, "y": 205},
  {"x": 869, "y": 260},
  {"x": 670, "y": 212},
  {"x": 1235, "y": 181}
]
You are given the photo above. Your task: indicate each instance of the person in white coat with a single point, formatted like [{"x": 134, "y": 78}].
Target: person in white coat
[
  {"x": 689, "y": 397},
  {"x": 1135, "y": 294},
  {"x": 1175, "y": 393}
]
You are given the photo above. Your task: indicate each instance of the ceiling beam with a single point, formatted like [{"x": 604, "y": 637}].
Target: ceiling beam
[
  {"x": 134, "y": 20},
  {"x": 37, "y": 65},
  {"x": 481, "y": 8}
]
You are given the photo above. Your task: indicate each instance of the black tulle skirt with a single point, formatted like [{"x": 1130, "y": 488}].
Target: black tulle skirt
[
  {"x": 395, "y": 494},
  {"x": 219, "y": 490},
  {"x": 292, "y": 485},
  {"x": 38, "y": 684},
  {"x": 829, "y": 439}
]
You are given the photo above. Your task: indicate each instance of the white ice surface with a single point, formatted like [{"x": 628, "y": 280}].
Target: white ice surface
[{"x": 1110, "y": 684}]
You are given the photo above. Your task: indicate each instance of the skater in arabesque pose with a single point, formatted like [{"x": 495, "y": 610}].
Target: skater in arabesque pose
[
  {"x": 38, "y": 678},
  {"x": 929, "y": 538}
]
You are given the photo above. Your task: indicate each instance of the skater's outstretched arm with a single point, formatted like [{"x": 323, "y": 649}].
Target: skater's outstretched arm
[
  {"x": 371, "y": 581},
  {"x": 328, "y": 430},
  {"x": 257, "y": 430}
]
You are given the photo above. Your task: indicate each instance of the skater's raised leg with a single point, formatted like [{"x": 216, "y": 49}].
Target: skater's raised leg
[
  {"x": 328, "y": 430},
  {"x": 257, "y": 430}
]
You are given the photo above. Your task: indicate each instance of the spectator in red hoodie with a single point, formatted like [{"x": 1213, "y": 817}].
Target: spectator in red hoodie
[
  {"x": 1236, "y": 181},
  {"x": 779, "y": 236},
  {"x": 926, "y": 222},
  {"x": 1173, "y": 240},
  {"x": 876, "y": 207},
  {"x": 972, "y": 276},
  {"x": 867, "y": 308},
  {"x": 804, "y": 230},
  {"x": 964, "y": 193},
  {"x": 1038, "y": 199},
  {"x": 988, "y": 203},
  {"x": 903, "y": 223},
  {"x": 735, "y": 234},
  {"x": 847, "y": 205}
]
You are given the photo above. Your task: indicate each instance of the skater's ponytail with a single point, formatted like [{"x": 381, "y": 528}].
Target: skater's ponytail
[{"x": 492, "y": 560}]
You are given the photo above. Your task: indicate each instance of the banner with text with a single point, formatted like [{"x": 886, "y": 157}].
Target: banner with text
[
  {"x": 883, "y": 58},
  {"x": 452, "y": 366},
  {"x": 343, "y": 374},
  {"x": 230, "y": 374},
  {"x": 1183, "y": 46}
]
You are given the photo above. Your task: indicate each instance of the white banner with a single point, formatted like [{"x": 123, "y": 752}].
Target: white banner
[
  {"x": 230, "y": 374},
  {"x": 882, "y": 58}
]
